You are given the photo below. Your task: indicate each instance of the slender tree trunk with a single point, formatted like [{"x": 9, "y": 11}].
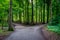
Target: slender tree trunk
[
  {"x": 41, "y": 12},
  {"x": 32, "y": 12},
  {"x": 10, "y": 17},
  {"x": 27, "y": 12},
  {"x": 48, "y": 4},
  {"x": 44, "y": 12},
  {"x": 20, "y": 12},
  {"x": 36, "y": 11},
  {"x": 47, "y": 13},
  {"x": 51, "y": 10},
  {"x": 2, "y": 22},
  {"x": 23, "y": 13}
]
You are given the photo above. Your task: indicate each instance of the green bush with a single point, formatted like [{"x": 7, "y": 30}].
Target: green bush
[{"x": 55, "y": 29}]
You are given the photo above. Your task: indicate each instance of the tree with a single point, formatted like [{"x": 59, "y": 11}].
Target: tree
[
  {"x": 32, "y": 13},
  {"x": 54, "y": 24},
  {"x": 10, "y": 17},
  {"x": 48, "y": 6},
  {"x": 44, "y": 11},
  {"x": 41, "y": 11},
  {"x": 36, "y": 11},
  {"x": 27, "y": 13}
]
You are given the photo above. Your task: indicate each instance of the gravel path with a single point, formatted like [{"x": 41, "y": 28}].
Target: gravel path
[{"x": 26, "y": 33}]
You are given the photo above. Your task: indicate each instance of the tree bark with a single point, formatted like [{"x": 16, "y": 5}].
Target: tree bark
[
  {"x": 44, "y": 12},
  {"x": 10, "y": 17},
  {"x": 32, "y": 12}
]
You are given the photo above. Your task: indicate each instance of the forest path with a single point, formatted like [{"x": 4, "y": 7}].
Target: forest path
[
  {"x": 27, "y": 33},
  {"x": 19, "y": 26}
]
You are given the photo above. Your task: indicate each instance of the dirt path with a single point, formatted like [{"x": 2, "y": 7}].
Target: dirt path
[
  {"x": 27, "y": 33},
  {"x": 36, "y": 32},
  {"x": 18, "y": 26}
]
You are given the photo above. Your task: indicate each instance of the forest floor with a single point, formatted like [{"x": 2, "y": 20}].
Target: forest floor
[{"x": 4, "y": 34}]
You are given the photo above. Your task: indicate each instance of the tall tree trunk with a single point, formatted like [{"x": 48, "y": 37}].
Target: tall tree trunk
[
  {"x": 47, "y": 13},
  {"x": 48, "y": 6},
  {"x": 36, "y": 11},
  {"x": 20, "y": 12},
  {"x": 10, "y": 17},
  {"x": 41, "y": 14},
  {"x": 44, "y": 12},
  {"x": 27, "y": 12},
  {"x": 50, "y": 10},
  {"x": 32, "y": 12},
  {"x": 2, "y": 22},
  {"x": 23, "y": 12}
]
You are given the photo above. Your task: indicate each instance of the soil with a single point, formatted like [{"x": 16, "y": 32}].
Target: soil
[
  {"x": 3, "y": 37},
  {"x": 50, "y": 35}
]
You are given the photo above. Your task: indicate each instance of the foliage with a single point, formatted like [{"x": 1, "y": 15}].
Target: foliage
[
  {"x": 54, "y": 24},
  {"x": 31, "y": 12}
]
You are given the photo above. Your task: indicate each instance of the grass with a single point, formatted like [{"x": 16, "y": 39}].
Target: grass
[
  {"x": 54, "y": 29},
  {"x": 3, "y": 32}
]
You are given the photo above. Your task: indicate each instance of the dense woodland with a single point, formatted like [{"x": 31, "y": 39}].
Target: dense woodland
[{"x": 29, "y": 12}]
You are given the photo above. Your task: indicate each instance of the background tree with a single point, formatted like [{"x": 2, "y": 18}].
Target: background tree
[{"x": 32, "y": 12}]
